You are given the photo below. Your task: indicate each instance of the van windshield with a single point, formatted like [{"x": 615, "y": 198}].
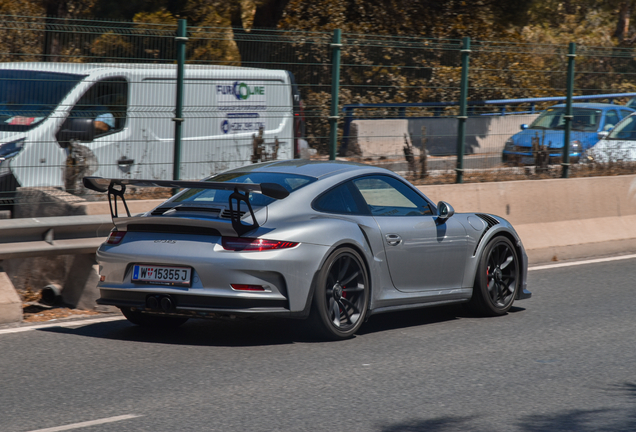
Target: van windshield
[{"x": 28, "y": 97}]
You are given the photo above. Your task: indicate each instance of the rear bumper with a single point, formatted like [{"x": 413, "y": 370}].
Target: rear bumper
[{"x": 194, "y": 306}]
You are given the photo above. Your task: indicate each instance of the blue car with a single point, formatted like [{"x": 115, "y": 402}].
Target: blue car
[{"x": 589, "y": 119}]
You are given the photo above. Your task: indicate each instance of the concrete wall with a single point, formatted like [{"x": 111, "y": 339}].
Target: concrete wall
[
  {"x": 556, "y": 219},
  {"x": 484, "y": 134}
]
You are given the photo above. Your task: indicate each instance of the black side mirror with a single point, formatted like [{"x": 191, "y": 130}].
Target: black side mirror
[
  {"x": 444, "y": 211},
  {"x": 79, "y": 129}
]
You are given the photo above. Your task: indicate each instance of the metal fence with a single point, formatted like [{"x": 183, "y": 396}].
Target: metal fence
[{"x": 413, "y": 104}]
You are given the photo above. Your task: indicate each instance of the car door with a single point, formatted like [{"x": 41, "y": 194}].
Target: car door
[{"x": 422, "y": 254}]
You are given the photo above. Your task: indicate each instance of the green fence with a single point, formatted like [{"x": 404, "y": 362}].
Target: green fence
[{"x": 429, "y": 109}]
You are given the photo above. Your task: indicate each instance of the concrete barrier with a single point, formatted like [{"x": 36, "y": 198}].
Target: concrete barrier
[{"x": 557, "y": 219}]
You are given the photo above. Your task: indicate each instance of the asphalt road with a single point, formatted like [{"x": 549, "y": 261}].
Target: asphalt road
[{"x": 564, "y": 360}]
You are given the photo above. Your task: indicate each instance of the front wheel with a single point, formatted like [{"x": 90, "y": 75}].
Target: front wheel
[
  {"x": 497, "y": 278},
  {"x": 341, "y": 297},
  {"x": 144, "y": 320}
]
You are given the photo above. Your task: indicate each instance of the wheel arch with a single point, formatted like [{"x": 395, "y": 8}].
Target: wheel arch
[{"x": 314, "y": 280}]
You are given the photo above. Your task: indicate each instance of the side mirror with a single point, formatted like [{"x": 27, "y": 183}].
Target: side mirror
[
  {"x": 444, "y": 211},
  {"x": 523, "y": 126},
  {"x": 79, "y": 129},
  {"x": 602, "y": 134}
]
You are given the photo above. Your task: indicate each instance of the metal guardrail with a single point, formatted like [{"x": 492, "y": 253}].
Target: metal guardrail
[{"x": 33, "y": 237}]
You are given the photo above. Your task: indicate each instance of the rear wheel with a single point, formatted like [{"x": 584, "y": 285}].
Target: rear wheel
[
  {"x": 341, "y": 298},
  {"x": 497, "y": 278},
  {"x": 146, "y": 320}
]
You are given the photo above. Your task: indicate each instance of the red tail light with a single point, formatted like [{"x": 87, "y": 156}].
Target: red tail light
[
  {"x": 115, "y": 237},
  {"x": 254, "y": 244}
]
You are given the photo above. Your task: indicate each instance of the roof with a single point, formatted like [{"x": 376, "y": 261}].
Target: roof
[{"x": 309, "y": 168}]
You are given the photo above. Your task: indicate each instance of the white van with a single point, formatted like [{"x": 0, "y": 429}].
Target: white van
[{"x": 117, "y": 120}]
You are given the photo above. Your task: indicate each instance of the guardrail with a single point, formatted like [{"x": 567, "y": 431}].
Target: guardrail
[{"x": 35, "y": 237}]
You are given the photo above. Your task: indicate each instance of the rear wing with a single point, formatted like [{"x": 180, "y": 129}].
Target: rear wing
[{"x": 117, "y": 188}]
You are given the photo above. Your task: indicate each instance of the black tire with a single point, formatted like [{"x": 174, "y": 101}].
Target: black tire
[
  {"x": 157, "y": 321},
  {"x": 341, "y": 297},
  {"x": 497, "y": 278}
]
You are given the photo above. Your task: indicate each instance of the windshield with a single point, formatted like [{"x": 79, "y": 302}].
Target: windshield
[
  {"x": 291, "y": 182},
  {"x": 28, "y": 97},
  {"x": 625, "y": 130},
  {"x": 584, "y": 119}
]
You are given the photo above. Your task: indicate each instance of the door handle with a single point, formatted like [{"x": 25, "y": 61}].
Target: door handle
[{"x": 393, "y": 239}]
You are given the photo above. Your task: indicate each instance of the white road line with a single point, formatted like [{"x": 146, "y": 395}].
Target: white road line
[
  {"x": 576, "y": 263},
  {"x": 88, "y": 423},
  {"x": 66, "y": 324}
]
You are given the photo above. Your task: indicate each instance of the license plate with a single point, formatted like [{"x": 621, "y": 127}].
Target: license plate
[
  {"x": 163, "y": 275},
  {"x": 528, "y": 160}
]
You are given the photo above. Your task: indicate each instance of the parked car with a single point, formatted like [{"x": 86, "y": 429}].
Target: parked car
[
  {"x": 619, "y": 145},
  {"x": 549, "y": 130},
  {"x": 333, "y": 242}
]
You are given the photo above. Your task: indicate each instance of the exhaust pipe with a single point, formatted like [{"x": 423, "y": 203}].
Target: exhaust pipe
[
  {"x": 166, "y": 304},
  {"x": 160, "y": 302}
]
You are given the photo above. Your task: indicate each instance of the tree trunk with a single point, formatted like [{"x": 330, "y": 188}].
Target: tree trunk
[
  {"x": 255, "y": 53},
  {"x": 622, "y": 26}
]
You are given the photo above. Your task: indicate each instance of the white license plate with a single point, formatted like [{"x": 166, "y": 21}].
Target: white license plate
[{"x": 164, "y": 275}]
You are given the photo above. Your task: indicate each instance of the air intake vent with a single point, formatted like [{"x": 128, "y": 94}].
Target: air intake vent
[
  {"x": 173, "y": 229},
  {"x": 227, "y": 214},
  {"x": 490, "y": 222}
]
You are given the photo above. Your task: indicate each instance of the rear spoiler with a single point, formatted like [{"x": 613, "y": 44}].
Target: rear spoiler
[{"x": 117, "y": 187}]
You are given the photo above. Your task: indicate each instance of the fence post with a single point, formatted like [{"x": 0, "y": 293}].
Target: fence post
[
  {"x": 462, "y": 117},
  {"x": 181, "y": 40},
  {"x": 568, "y": 111},
  {"x": 335, "y": 88}
]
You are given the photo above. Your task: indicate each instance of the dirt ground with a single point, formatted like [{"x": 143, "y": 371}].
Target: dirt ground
[{"x": 33, "y": 311}]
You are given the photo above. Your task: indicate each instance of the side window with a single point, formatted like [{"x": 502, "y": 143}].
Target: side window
[
  {"x": 625, "y": 113},
  {"x": 105, "y": 103},
  {"x": 340, "y": 200},
  {"x": 611, "y": 118},
  {"x": 388, "y": 196}
]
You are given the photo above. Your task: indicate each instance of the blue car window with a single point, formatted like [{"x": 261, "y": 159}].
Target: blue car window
[{"x": 611, "y": 118}]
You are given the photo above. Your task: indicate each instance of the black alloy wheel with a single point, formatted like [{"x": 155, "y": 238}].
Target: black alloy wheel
[
  {"x": 497, "y": 278},
  {"x": 341, "y": 298}
]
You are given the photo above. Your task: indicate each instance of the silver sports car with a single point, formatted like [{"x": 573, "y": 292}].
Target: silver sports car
[{"x": 331, "y": 242}]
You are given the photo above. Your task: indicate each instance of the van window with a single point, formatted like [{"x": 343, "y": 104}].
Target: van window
[
  {"x": 28, "y": 97},
  {"x": 105, "y": 103}
]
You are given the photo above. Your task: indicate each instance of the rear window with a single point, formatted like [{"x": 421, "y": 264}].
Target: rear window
[{"x": 291, "y": 182}]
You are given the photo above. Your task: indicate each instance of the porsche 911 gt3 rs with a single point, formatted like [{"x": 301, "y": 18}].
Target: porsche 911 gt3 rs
[{"x": 332, "y": 242}]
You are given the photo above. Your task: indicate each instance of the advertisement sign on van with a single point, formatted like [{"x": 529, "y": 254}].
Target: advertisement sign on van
[{"x": 241, "y": 96}]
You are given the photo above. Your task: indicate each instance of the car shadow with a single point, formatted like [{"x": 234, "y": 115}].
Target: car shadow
[{"x": 256, "y": 331}]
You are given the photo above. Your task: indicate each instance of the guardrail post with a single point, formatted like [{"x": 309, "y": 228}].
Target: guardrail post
[
  {"x": 462, "y": 117},
  {"x": 336, "y": 45},
  {"x": 568, "y": 111},
  {"x": 181, "y": 40}
]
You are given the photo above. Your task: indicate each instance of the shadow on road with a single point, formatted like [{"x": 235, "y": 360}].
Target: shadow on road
[
  {"x": 256, "y": 331},
  {"x": 594, "y": 420}
]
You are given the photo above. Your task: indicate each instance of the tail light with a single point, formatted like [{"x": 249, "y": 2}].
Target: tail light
[
  {"x": 115, "y": 237},
  {"x": 254, "y": 244}
]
